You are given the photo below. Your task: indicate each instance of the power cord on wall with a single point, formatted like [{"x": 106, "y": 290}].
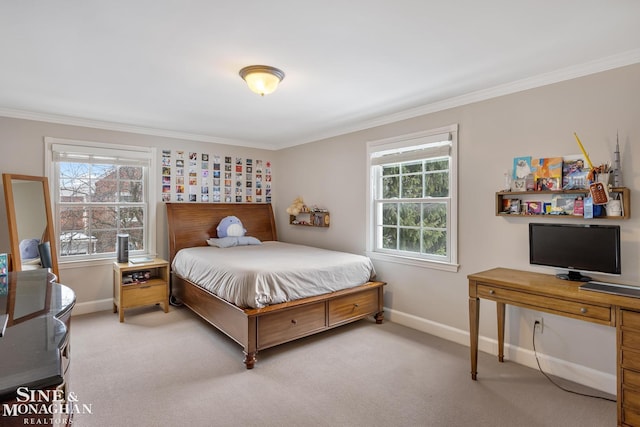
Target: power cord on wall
[{"x": 535, "y": 324}]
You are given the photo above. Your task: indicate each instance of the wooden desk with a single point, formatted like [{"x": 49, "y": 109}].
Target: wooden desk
[{"x": 546, "y": 293}]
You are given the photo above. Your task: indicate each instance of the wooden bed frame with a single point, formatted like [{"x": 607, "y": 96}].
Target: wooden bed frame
[{"x": 191, "y": 224}]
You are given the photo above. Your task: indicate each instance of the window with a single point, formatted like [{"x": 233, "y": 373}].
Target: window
[
  {"x": 100, "y": 191},
  {"x": 413, "y": 198}
]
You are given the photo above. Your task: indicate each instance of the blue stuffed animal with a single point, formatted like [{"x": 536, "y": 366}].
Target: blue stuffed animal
[{"x": 230, "y": 226}]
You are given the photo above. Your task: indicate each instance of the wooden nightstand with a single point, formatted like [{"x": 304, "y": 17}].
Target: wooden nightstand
[{"x": 141, "y": 284}]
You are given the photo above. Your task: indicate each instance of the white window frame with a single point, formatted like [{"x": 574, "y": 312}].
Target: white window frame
[
  {"x": 100, "y": 148},
  {"x": 408, "y": 147}
]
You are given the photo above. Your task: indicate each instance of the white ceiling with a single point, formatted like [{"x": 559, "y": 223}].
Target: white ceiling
[{"x": 170, "y": 67}]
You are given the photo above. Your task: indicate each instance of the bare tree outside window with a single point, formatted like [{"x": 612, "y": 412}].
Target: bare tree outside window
[{"x": 98, "y": 201}]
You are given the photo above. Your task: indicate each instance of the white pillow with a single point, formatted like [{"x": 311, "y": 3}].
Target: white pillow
[{"x": 229, "y": 241}]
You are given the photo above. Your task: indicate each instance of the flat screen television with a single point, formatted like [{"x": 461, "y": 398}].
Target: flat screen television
[{"x": 576, "y": 248}]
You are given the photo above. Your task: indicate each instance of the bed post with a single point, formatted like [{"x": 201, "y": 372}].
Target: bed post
[
  {"x": 250, "y": 347},
  {"x": 379, "y": 316}
]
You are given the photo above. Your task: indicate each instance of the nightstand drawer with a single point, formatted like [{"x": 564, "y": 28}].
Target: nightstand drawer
[{"x": 143, "y": 295}]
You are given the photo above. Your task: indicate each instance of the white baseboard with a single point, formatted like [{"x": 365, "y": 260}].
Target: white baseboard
[
  {"x": 551, "y": 365},
  {"x": 92, "y": 306}
]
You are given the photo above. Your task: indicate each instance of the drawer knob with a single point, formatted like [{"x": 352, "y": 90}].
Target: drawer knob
[
  {"x": 491, "y": 292},
  {"x": 355, "y": 306},
  {"x": 294, "y": 322},
  {"x": 583, "y": 310}
]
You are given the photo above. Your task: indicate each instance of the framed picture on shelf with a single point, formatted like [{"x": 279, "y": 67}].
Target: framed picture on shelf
[
  {"x": 549, "y": 184},
  {"x": 521, "y": 167},
  {"x": 547, "y": 167},
  {"x": 574, "y": 173}
]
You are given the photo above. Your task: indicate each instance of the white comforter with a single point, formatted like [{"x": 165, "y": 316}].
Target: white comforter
[{"x": 271, "y": 273}]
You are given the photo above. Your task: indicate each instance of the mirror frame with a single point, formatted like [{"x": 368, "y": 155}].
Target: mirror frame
[{"x": 49, "y": 234}]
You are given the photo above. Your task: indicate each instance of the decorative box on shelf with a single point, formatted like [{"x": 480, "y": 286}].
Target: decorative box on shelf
[
  {"x": 527, "y": 203},
  {"x": 311, "y": 218}
]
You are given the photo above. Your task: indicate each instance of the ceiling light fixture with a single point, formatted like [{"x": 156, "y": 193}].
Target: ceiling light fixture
[{"x": 262, "y": 79}]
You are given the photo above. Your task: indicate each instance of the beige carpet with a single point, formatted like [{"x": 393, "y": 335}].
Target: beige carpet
[{"x": 173, "y": 369}]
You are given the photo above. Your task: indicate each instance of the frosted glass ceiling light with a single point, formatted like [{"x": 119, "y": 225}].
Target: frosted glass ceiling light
[{"x": 262, "y": 79}]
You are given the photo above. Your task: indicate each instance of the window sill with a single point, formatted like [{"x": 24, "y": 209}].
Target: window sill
[
  {"x": 84, "y": 263},
  {"x": 415, "y": 262}
]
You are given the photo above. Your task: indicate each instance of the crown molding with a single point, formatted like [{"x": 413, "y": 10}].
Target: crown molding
[
  {"x": 563, "y": 74},
  {"x": 560, "y": 75},
  {"x": 122, "y": 127}
]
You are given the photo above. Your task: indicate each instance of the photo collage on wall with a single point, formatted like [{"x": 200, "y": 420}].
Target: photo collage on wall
[{"x": 201, "y": 177}]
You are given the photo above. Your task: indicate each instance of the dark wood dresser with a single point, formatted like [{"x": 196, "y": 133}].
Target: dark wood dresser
[{"x": 34, "y": 349}]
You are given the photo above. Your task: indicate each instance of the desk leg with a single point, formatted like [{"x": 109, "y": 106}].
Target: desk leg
[
  {"x": 500, "y": 312},
  {"x": 474, "y": 320}
]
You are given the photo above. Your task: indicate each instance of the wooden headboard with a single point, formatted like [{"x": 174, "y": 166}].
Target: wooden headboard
[{"x": 191, "y": 224}]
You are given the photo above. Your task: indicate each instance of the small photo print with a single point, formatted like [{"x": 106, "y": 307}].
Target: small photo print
[{"x": 548, "y": 184}]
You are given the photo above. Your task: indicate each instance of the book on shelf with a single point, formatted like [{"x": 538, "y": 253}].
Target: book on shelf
[
  {"x": 578, "y": 206},
  {"x": 534, "y": 208},
  {"x": 135, "y": 277}
]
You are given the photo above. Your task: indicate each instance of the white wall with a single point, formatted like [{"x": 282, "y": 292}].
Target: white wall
[
  {"x": 22, "y": 143},
  {"x": 538, "y": 122}
]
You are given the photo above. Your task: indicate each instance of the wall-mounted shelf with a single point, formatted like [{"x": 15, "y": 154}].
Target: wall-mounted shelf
[
  {"x": 311, "y": 219},
  {"x": 621, "y": 193}
]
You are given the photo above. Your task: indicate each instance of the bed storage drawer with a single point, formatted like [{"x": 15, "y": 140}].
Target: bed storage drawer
[
  {"x": 290, "y": 324},
  {"x": 353, "y": 306}
]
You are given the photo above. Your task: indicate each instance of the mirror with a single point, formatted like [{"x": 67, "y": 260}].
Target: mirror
[{"x": 31, "y": 232}]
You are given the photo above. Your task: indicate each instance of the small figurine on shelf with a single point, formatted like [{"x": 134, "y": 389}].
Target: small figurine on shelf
[
  {"x": 507, "y": 180},
  {"x": 296, "y": 207},
  {"x": 617, "y": 169}
]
